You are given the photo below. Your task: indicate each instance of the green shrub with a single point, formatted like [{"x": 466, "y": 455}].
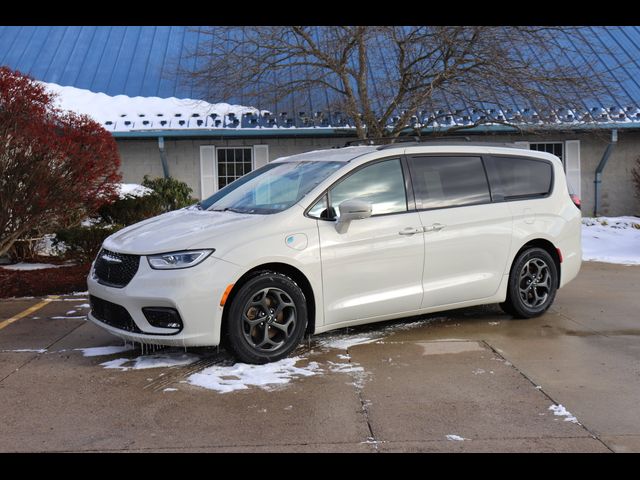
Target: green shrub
[
  {"x": 84, "y": 242},
  {"x": 174, "y": 194},
  {"x": 635, "y": 176},
  {"x": 130, "y": 210}
]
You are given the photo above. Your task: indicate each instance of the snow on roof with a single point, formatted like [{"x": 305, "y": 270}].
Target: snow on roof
[{"x": 121, "y": 113}]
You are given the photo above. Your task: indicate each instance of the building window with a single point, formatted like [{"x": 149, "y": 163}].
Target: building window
[
  {"x": 232, "y": 164},
  {"x": 555, "y": 148}
]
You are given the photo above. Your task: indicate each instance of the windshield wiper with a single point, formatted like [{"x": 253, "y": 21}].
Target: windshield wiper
[{"x": 227, "y": 209}]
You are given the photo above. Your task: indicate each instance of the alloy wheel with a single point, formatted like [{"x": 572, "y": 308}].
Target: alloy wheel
[
  {"x": 269, "y": 319},
  {"x": 534, "y": 283}
]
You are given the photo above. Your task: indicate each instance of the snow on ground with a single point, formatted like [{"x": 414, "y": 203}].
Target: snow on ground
[
  {"x": 241, "y": 376},
  {"x": 168, "y": 359},
  {"x": 344, "y": 342},
  {"x": 456, "y": 438},
  {"x": 30, "y": 266},
  {"x": 611, "y": 240},
  {"x": 100, "y": 351},
  {"x": 21, "y": 350},
  {"x": 560, "y": 411}
]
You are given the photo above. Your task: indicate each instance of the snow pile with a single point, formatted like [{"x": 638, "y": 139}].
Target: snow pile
[
  {"x": 560, "y": 411},
  {"x": 456, "y": 438},
  {"x": 102, "y": 351},
  {"x": 241, "y": 376},
  {"x": 124, "y": 113},
  {"x": 344, "y": 342},
  {"x": 30, "y": 266},
  {"x": 143, "y": 362},
  {"x": 133, "y": 190},
  {"x": 611, "y": 240}
]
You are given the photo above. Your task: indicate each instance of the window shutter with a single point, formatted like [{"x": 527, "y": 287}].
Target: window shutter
[
  {"x": 260, "y": 155},
  {"x": 208, "y": 177},
  {"x": 572, "y": 165}
]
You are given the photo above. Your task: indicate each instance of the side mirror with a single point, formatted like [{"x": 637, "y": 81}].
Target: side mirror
[{"x": 350, "y": 210}]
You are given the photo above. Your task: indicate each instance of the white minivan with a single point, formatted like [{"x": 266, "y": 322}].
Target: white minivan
[{"x": 340, "y": 237}]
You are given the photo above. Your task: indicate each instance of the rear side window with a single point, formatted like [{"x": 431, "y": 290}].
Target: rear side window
[
  {"x": 440, "y": 182},
  {"x": 523, "y": 177}
]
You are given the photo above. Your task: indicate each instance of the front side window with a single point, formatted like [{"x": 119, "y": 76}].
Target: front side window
[
  {"x": 272, "y": 188},
  {"x": 381, "y": 184},
  {"x": 441, "y": 182}
]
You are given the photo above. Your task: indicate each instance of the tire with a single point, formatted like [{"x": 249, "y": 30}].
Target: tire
[
  {"x": 267, "y": 319},
  {"x": 524, "y": 300}
]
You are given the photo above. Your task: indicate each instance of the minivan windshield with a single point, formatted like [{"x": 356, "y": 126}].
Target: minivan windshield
[{"x": 272, "y": 188}]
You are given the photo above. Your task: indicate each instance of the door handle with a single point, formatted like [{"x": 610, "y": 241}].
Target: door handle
[
  {"x": 436, "y": 227},
  {"x": 410, "y": 231}
]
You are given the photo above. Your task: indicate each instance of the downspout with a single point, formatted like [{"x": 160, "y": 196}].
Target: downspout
[
  {"x": 163, "y": 157},
  {"x": 600, "y": 168}
]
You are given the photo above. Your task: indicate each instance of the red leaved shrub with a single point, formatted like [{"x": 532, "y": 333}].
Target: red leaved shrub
[
  {"x": 48, "y": 281},
  {"x": 55, "y": 167}
]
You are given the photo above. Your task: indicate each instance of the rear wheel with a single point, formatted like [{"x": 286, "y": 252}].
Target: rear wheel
[
  {"x": 533, "y": 282},
  {"x": 267, "y": 319}
]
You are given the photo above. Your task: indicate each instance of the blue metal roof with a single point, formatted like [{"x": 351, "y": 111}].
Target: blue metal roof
[
  {"x": 142, "y": 60},
  {"x": 120, "y": 60}
]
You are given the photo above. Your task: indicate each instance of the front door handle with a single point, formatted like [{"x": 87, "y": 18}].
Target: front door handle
[
  {"x": 410, "y": 231},
  {"x": 436, "y": 227}
]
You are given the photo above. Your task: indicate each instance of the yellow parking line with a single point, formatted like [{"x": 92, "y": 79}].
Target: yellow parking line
[{"x": 24, "y": 313}]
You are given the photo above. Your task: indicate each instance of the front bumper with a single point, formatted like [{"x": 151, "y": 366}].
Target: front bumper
[{"x": 194, "y": 292}]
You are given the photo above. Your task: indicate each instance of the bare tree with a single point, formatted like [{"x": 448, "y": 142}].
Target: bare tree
[{"x": 384, "y": 77}]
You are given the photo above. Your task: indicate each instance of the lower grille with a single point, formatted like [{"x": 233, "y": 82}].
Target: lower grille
[{"x": 112, "y": 314}]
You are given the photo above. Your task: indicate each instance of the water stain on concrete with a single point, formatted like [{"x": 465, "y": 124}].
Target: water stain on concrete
[{"x": 442, "y": 347}]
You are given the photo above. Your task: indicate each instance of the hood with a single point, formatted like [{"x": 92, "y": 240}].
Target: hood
[{"x": 179, "y": 230}]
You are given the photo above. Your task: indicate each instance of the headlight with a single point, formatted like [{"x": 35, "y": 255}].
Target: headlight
[{"x": 175, "y": 260}]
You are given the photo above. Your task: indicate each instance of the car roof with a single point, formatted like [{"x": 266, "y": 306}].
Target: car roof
[{"x": 345, "y": 154}]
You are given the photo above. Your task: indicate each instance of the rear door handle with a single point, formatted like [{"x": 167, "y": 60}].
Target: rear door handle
[
  {"x": 436, "y": 227},
  {"x": 410, "y": 231}
]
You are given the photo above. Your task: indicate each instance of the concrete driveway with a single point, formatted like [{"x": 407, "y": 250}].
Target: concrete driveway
[{"x": 468, "y": 380}]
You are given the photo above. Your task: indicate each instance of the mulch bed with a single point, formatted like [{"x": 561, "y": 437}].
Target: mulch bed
[{"x": 47, "y": 281}]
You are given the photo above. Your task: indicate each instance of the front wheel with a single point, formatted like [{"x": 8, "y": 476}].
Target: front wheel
[
  {"x": 267, "y": 319},
  {"x": 533, "y": 282}
]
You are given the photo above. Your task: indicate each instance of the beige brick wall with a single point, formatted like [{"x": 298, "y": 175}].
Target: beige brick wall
[{"x": 140, "y": 157}]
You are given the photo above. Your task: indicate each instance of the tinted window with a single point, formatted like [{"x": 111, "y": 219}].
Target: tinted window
[
  {"x": 449, "y": 181},
  {"x": 521, "y": 177},
  {"x": 381, "y": 184}
]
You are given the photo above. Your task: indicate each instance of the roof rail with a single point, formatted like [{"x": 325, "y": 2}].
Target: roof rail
[
  {"x": 381, "y": 141},
  {"x": 452, "y": 142},
  {"x": 413, "y": 141}
]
